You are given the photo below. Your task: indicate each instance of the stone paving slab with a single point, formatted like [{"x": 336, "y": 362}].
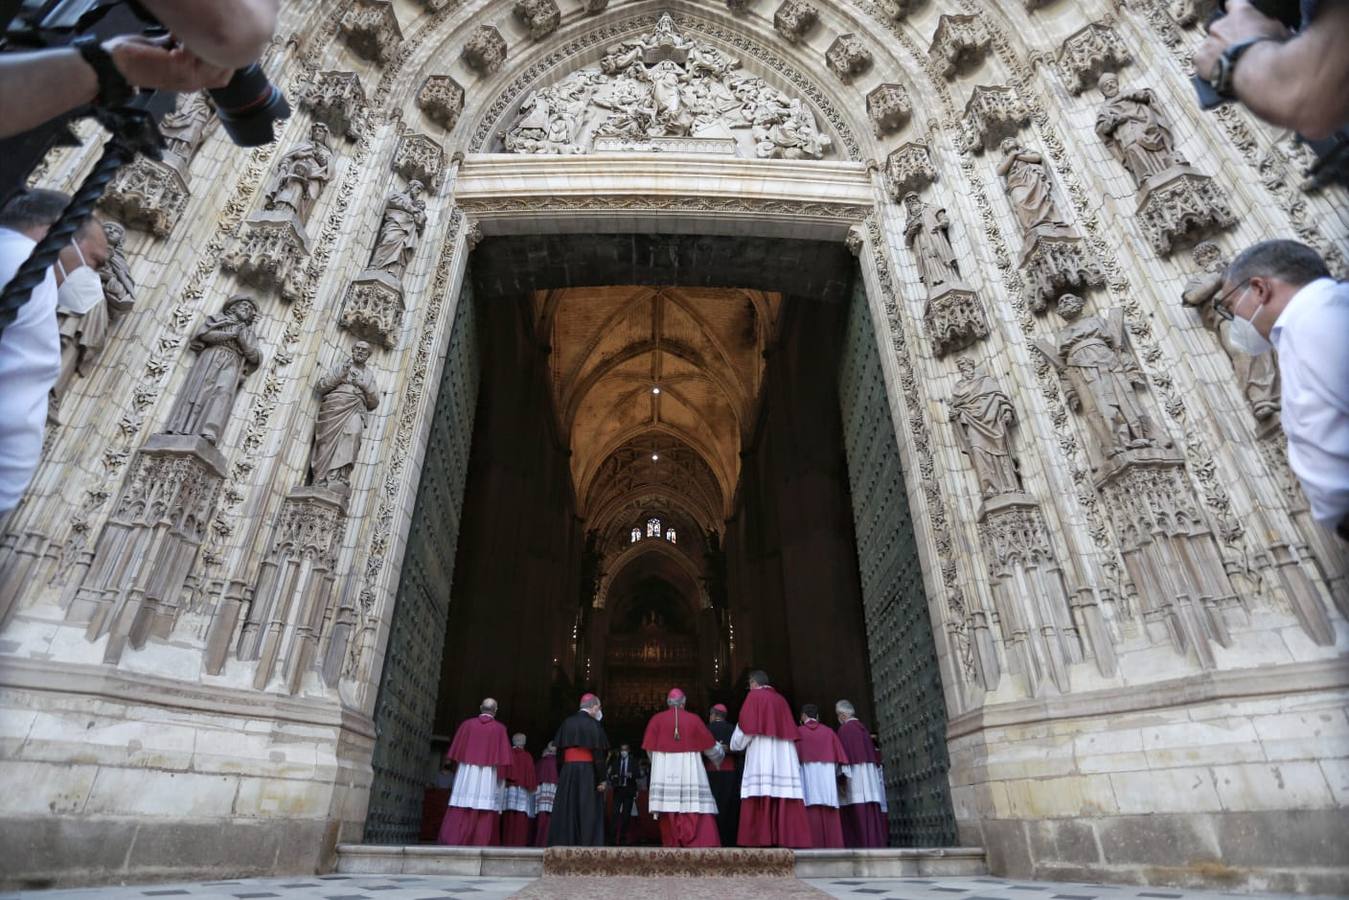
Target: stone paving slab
[{"x": 439, "y": 887}]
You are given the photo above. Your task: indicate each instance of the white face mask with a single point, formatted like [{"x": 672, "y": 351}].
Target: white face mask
[
  {"x": 623, "y": 753},
  {"x": 599, "y": 715},
  {"x": 1244, "y": 336},
  {"x": 81, "y": 290}
]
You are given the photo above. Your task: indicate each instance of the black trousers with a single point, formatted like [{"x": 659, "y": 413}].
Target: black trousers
[{"x": 624, "y": 798}]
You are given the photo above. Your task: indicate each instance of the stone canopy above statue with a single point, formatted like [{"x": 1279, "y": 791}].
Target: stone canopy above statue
[{"x": 662, "y": 91}]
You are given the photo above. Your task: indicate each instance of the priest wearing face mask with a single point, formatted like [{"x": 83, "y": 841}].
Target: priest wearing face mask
[
  {"x": 1279, "y": 296},
  {"x": 578, "y": 807},
  {"x": 82, "y": 308},
  {"x": 623, "y": 781}
]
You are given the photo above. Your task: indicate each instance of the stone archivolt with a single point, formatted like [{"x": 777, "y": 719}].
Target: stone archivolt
[
  {"x": 959, "y": 44},
  {"x": 664, "y": 91}
]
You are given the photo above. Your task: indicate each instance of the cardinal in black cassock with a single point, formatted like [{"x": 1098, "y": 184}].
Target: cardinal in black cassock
[
  {"x": 578, "y": 809},
  {"x": 724, "y": 778}
]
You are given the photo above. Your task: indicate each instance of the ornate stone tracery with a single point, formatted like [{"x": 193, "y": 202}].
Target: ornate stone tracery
[
  {"x": 485, "y": 50},
  {"x": 959, "y": 44},
  {"x": 848, "y": 57},
  {"x": 371, "y": 29},
  {"x": 336, "y": 99},
  {"x": 442, "y": 99},
  {"x": 1090, "y": 52}
]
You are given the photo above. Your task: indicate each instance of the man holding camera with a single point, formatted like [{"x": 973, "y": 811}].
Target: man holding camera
[
  {"x": 1291, "y": 79},
  {"x": 210, "y": 39}
]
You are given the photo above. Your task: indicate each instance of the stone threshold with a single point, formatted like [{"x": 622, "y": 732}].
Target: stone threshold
[{"x": 527, "y": 862}]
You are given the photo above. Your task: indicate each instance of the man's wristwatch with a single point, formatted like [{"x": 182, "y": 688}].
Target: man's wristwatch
[
  {"x": 1222, "y": 76},
  {"x": 113, "y": 88}
]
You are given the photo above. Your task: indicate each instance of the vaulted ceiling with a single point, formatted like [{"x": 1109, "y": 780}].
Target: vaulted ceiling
[{"x": 655, "y": 389}]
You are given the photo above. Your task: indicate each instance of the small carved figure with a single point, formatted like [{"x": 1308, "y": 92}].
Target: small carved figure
[
  {"x": 1101, "y": 381},
  {"x": 983, "y": 415},
  {"x": 927, "y": 234},
  {"x": 227, "y": 351},
  {"x": 404, "y": 218},
  {"x": 1028, "y": 187},
  {"x": 184, "y": 129},
  {"x": 1258, "y": 376},
  {"x": 1132, "y": 127},
  {"x": 301, "y": 175},
  {"x": 348, "y": 392}
]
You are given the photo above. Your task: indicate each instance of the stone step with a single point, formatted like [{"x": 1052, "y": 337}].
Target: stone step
[{"x": 528, "y": 862}]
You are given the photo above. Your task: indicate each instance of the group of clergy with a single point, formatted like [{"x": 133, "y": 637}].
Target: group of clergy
[{"x": 801, "y": 785}]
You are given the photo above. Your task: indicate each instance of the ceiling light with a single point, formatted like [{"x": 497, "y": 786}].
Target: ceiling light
[
  {"x": 655, "y": 457},
  {"x": 655, "y": 390}
]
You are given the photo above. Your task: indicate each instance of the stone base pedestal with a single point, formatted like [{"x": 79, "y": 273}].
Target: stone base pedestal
[
  {"x": 1054, "y": 262},
  {"x": 146, "y": 550},
  {"x": 291, "y": 607},
  {"x": 271, "y": 253},
  {"x": 954, "y": 319},
  {"x": 147, "y": 195},
  {"x": 373, "y": 308},
  {"x": 1178, "y": 207}
]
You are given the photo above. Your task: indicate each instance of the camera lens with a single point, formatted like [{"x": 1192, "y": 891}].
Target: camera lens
[{"x": 249, "y": 106}]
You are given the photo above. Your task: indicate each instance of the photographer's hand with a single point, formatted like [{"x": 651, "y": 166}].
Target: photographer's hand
[
  {"x": 161, "y": 65},
  {"x": 1241, "y": 23},
  {"x": 229, "y": 33}
]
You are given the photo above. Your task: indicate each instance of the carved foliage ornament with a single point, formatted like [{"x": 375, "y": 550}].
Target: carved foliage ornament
[
  {"x": 888, "y": 108},
  {"x": 908, "y": 169},
  {"x": 337, "y": 99},
  {"x": 371, "y": 29},
  {"x": 541, "y": 17},
  {"x": 959, "y": 44},
  {"x": 442, "y": 99},
  {"x": 954, "y": 319},
  {"x": 485, "y": 50},
  {"x": 1089, "y": 53},
  {"x": 148, "y": 196},
  {"x": 794, "y": 19},
  {"x": 847, "y": 57},
  {"x": 419, "y": 158},
  {"x": 373, "y": 309},
  {"x": 994, "y": 112},
  {"x": 1174, "y": 211}
]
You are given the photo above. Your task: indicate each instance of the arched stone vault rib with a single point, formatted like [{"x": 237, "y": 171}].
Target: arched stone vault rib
[
  {"x": 633, "y": 554},
  {"x": 614, "y": 508},
  {"x": 724, "y": 479}
]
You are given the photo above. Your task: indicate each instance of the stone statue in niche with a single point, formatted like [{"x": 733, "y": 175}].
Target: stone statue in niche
[
  {"x": 665, "y": 91},
  {"x": 983, "y": 415},
  {"x": 1258, "y": 376},
  {"x": 184, "y": 129},
  {"x": 401, "y": 228},
  {"x": 1101, "y": 380},
  {"x": 1029, "y": 188},
  {"x": 1132, "y": 127},
  {"x": 928, "y": 234},
  {"x": 84, "y": 336},
  {"x": 349, "y": 392},
  {"x": 227, "y": 352},
  {"x": 301, "y": 175}
]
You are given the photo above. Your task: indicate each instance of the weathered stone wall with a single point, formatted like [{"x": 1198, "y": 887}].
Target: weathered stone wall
[{"x": 1185, "y": 569}]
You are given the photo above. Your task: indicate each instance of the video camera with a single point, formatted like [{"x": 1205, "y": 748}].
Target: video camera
[
  {"x": 248, "y": 106},
  {"x": 1332, "y": 153}
]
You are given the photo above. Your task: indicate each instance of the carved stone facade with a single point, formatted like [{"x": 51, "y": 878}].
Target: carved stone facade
[
  {"x": 959, "y": 44},
  {"x": 847, "y": 58},
  {"x": 485, "y": 50},
  {"x": 371, "y": 29},
  {"x": 1099, "y": 611},
  {"x": 336, "y": 99},
  {"x": 541, "y": 17},
  {"x": 442, "y": 99},
  {"x": 1089, "y": 53}
]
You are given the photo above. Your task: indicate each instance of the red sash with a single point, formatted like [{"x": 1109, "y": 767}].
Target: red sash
[{"x": 578, "y": 754}]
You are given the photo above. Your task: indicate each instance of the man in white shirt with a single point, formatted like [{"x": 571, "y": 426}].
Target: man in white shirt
[{"x": 1279, "y": 295}]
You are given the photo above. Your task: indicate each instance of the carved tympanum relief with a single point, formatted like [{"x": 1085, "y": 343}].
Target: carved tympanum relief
[
  {"x": 953, "y": 315},
  {"x": 149, "y": 194},
  {"x": 1258, "y": 376},
  {"x": 1175, "y": 203},
  {"x": 275, "y": 240},
  {"x": 84, "y": 336},
  {"x": 663, "y": 91},
  {"x": 1054, "y": 259}
]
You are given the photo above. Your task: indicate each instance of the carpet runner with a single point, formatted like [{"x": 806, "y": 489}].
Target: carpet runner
[{"x": 659, "y": 862}]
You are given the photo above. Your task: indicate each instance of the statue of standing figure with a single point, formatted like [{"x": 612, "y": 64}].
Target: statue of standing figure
[
  {"x": 184, "y": 129},
  {"x": 301, "y": 175},
  {"x": 983, "y": 415},
  {"x": 1132, "y": 127},
  {"x": 1258, "y": 376},
  {"x": 1029, "y": 188},
  {"x": 349, "y": 392},
  {"x": 1102, "y": 380},
  {"x": 928, "y": 234},
  {"x": 227, "y": 352},
  {"x": 404, "y": 218}
]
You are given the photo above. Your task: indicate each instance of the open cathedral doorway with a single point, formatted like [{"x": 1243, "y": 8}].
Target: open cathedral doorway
[{"x": 660, "y": 461}]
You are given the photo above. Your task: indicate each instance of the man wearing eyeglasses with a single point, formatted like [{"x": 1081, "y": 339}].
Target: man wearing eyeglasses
[{"x": 1279, "y": 295}]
